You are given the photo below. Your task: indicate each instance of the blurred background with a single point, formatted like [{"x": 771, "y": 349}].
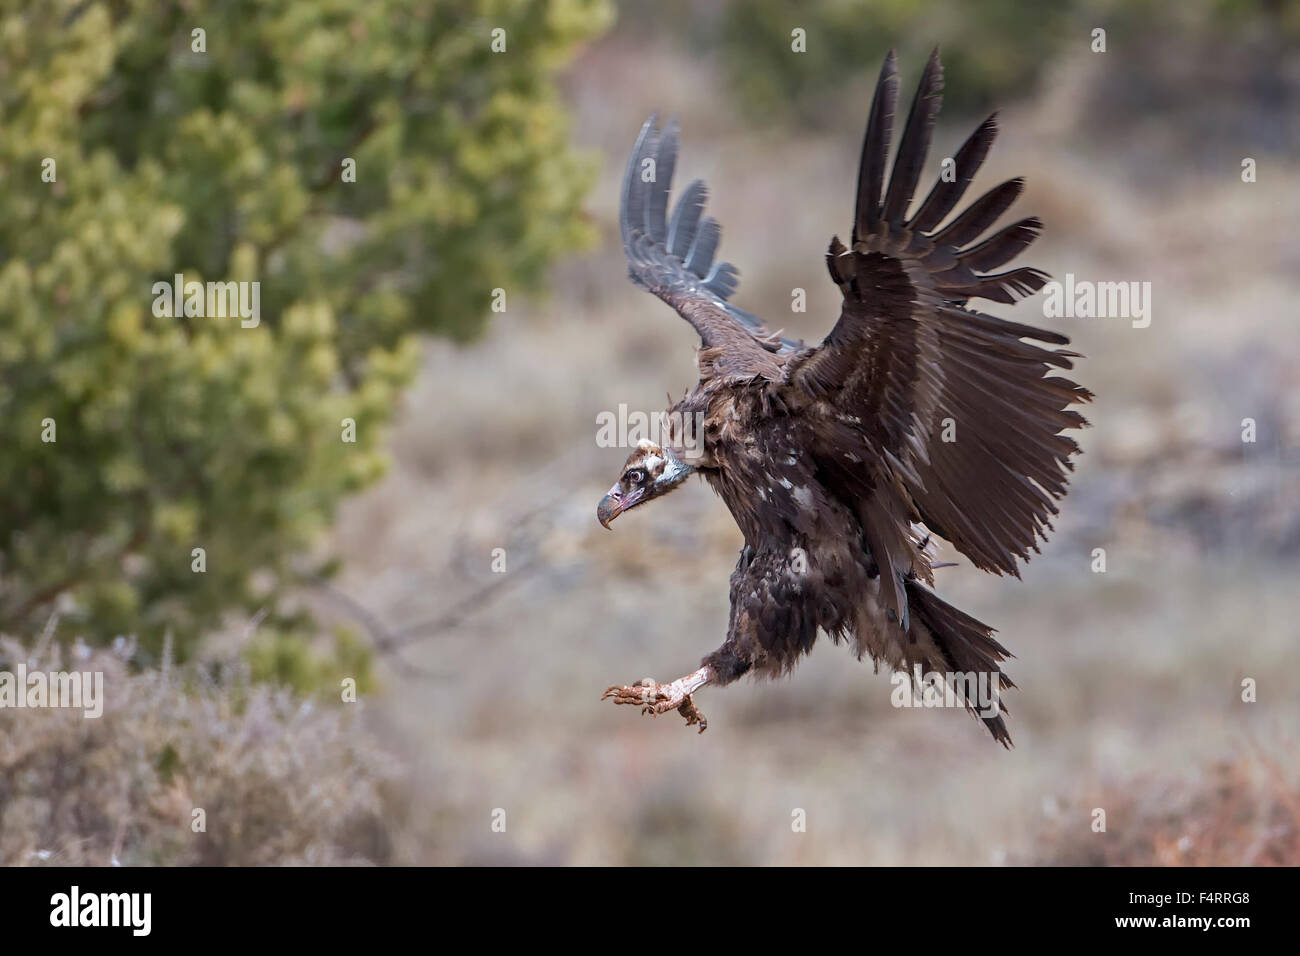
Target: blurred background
[{"x": 447, "y": 563}]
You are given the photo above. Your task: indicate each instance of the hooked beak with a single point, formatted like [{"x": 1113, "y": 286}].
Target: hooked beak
[{"x": 614, "y": 504}]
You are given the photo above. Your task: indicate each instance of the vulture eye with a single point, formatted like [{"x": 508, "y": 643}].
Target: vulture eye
[{"x": 636, "y": 476}]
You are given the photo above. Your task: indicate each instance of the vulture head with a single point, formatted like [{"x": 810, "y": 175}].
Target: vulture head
[{"x": 650, "y": 471}]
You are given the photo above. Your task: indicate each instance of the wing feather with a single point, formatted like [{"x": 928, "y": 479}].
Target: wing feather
[
  {"x": 686, "y": 219},
  {"x": 674, "y": 259},
  {"x": 915, "y": 144},
  {"x": 946, "y": 193},
  {"x": 960, "y": 417},
  {"x": 875, "y": 148}
]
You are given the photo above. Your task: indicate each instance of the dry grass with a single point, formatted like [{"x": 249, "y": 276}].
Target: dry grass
[
  {"x": 1240, "y": 812},
  {"x": 281, "y": 781}
]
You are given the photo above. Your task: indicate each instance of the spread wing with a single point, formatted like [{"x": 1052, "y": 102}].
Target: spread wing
[
  {"x": 956, "y": 416},
  {"x": 673, "y": 258}
]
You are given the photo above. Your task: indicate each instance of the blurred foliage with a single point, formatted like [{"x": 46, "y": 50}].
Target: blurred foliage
[
  {"x": 998, "y": 48},
  {"x": 1240, "y": 811},
  {"x": 280, "y": 781},
  {"x": 280, "y": 658},
  {"x": 181, "y": 433}
]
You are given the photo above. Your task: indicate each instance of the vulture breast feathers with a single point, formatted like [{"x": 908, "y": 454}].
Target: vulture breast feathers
[{"x": 917, "y": 415}]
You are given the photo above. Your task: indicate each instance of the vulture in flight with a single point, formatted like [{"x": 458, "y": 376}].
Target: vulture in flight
[{"x": 918, "y": 415}]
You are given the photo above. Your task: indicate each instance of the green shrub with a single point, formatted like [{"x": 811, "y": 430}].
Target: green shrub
[{"x": 225, "y": 163}]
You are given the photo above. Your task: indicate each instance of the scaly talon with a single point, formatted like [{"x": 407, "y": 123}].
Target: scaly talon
[{"x": 655, "y": 698}]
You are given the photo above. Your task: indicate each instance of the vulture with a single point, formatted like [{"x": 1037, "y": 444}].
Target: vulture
[{"x": 917, "y": 416}]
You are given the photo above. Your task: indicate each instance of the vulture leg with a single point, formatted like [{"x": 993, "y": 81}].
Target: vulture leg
[{"x": 656, "y": 698}]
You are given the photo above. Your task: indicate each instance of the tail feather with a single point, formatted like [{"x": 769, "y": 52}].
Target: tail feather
[{"x": 967, "y": 646}]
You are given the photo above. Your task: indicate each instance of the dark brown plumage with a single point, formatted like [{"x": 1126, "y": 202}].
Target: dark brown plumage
[{"x": 917, "y": 415}]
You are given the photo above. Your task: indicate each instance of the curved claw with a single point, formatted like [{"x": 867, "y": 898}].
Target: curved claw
[
  {"x": 692, "y": 714},
  {"x": 642, "y": 692},
  {"x": 655, "y": 699}
]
